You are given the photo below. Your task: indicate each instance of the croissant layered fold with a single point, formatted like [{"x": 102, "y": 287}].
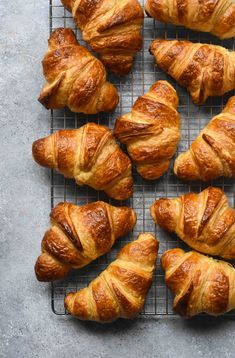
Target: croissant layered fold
[
  {"x": 112, "y": 28},
  {"x": 75, "y": 78},
  {"x": 205, "y": 70},
  {"x": 80, "y": 234},
  {"x": 120, "y": 290},
  {"x": 200, "y": 284},
  {"x": 212, "y": 153},
  {"x": 151, "y": 131},
  {"x": 91, "y": 156},
  {"x": 216, "y": 17},
  {"x": 204, "y": 221}
]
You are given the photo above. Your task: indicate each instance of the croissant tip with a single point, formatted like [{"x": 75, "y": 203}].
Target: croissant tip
[
  {"x": 40, "y": 272},
  {"x": 67, "y": 300},
  {"x": 152, "y": 212},
  {"x": 42, "y": 152},
  {"x": 36, "y": 150},
  {"x": 169, "y": 257},
  {"x": 44, "y": 100},
  {"x": 60, "y": 32},
  {"x": 154, "y": 43}
]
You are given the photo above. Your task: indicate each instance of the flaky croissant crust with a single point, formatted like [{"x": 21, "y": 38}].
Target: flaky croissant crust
[
  {"x": 91, "y": 156},
  {"x": 151, "y": 130},
  {"x": 112, "y": 28},
  {"x": 205, "y": 70},
  {"x": 212, "y": 153},
  {"x": 204, "y": 221},
  {"x": 216, "y": 17},
  {"x": 120, "y": 290},
  {"x": 200, "y": 284},
  {"x": 75, "y": 78},
  {"x": 80, "y": 234}
]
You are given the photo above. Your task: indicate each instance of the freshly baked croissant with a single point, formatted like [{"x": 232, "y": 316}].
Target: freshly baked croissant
[
  {"x": 80, "y": 234},
  {"x": 91, "y": 156},
  {"x": 75, "y": 78},
  {"x": 120, "y": 290},
  {"x": 151, "y": 130},
  {"x": 216, "y": 17},
  {"x": 112, "y": 28},
  {"x": 205, "y": 70},
  {"x": 204, "y": 221},
  {"x": 212, "y": 153},
  {"x": 200, "y": 284}
]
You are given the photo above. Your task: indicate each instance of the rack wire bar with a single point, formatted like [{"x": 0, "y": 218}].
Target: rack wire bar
[{"x": 193, "y": 119}]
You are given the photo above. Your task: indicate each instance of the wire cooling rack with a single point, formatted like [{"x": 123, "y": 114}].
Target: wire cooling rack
[{"x": 193, "y": 119}]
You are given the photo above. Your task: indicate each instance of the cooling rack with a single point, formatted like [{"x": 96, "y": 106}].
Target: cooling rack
[{"x": 193, "y": 119}]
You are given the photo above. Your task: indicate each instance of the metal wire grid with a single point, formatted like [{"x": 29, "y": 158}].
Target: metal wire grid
[{"x": 193, "y": 119}]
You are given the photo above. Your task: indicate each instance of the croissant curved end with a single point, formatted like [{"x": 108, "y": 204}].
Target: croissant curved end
[
  {"x": 122, "y": 190},
  {"x": 124, "y": 220},
  {"x": 169, "y": 257},
  {"x": 62, "y": 36},
  {"x": 163, "y": 213},
  {"x": 41, "y": 152},
  {"x": 47, "y": 95},
  {"x": 185, "y": 167},
  {"x": 153, "y": 171},
  {"x": 48, "y": 269},
  {"x": 152, "y": 212},
  {"x": 68, "y": 301},
  {"x": 154, "y": 45},
  {"x": 144, "y": 249},
  {"x": 109, "y": 98}
]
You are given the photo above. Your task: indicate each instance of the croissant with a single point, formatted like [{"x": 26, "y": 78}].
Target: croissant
[
  {"x": 216, "y": 17},
  {"x": 151, "y": 130},
  {"x": 80, "y": 234},
  {"x": 204, "y": 221},
  {"x": 200, "y": 284},
  {"x": 112, "y": 28},
  {"x": 75, "y": 78},
  {"x": 120, "y": 290},
  {"x": 212, "y": 153},
  {"x": 205, "y": 70},
  {"x": 91, "y": 156}
]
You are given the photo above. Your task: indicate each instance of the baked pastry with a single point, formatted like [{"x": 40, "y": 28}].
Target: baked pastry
[
  {"x": 120, "y": 290},
  {"x": 75, "y": 78},
  {"x": 216, "y": 17},
  {"x": 151, "y": 131},
  {"x": 200, "y": 283},
  {"x": 212, "y": 153},
  {"x": 204, "y": 221},
  {"x": 205, "y": 70},
  {"x": 112, "y": 28},
  {"x": 80, "y": 234},
  {"x": 91, "y": 156}
]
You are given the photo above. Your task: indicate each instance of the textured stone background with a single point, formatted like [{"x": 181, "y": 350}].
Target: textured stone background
[{"x": 28, "y": 327}]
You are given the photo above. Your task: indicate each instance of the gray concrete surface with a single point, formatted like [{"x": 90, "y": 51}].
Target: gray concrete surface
[{"x": 28, "y": 327}]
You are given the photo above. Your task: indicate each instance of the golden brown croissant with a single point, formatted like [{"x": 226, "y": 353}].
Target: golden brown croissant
[
  {"x": 120, "y": 290},
  {"x": 112, "y": 28},
  {"x": 80, "y": 234},
  {"x": 91, "y": 156},
  {"x": 151, "y": 130},
  {"x": 204, "y": 221},
  {"x": 212, "y": 153},
  {"x": 205, "y": 70},
  {"x": 216, "y": 17},
  {"x": 75, "y": 78},
  {"x": 200, "y": 283}
]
